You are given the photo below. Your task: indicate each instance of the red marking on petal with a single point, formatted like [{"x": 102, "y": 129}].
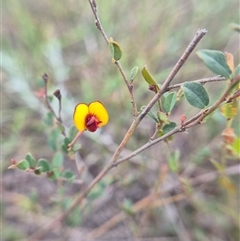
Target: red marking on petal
[{"x": 92, "y": 122}]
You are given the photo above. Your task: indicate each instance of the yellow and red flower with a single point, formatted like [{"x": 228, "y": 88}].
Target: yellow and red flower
[{"x": 90, "y": 116}]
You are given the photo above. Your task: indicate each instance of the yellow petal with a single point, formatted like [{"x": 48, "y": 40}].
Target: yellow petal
[
  {"x": 80, "y": 113},
  {"x": 97, "y": 109}
]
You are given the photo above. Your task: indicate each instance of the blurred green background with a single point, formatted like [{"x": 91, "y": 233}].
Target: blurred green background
[{"x": 60, "y": 38}]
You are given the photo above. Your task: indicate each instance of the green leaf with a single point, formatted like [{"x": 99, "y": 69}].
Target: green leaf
[
  {"x": 150, "y": 114},
  {"x": 169, "y": 127},
  {"x": 66, "y": 141},
  {"x": 173, "y": 161},
  {"x": 195, "y": 94},
  {"x": 31, "y": 160},
  {"x": 229, "y": 110},
  {"x": 72, "y": 133},
  {"x": 76, "y": 147},
  {"x": 23, "y": 165},
  {"x": 53, "y": 138},
  {"x": 148, "y": 78},
  {"x": 44, "y": 164},
  {"x": 215, "y": 61},
  {"x": 57, "y": 160},
  {"x": 133, "y": 73},
  {"x": 168, "y": 101},
  {"x": 115, "y": 50},
  {"x": 68, "y": 175},
  {"x": 163, "y": 117}
]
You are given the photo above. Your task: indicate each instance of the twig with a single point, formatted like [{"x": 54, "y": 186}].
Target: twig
[
  {"x": 118, "y": 64},
  {"x": 97, "y": 21},
  {"x": 129, "y": 86},
  {"x": 58, "y": 95},
  {"x": 49, "y": 107},
  {"x": 234, "y": 96},
  {"x": 147, "y": 145},
  {"x": 201, "y": 81}
]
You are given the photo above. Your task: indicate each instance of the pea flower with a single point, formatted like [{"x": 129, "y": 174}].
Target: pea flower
[{"x": 89, "y": 117}]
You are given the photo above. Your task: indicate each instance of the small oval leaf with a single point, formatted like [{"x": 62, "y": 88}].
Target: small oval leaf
[
  {"x": 66, "y": 141},
  {"x": 148, "y": 78},
  {"x": 23, "y": 165},
  {"x": 68, "y": 175},
  {"x": 53, "y": 139},
  {"x": 195, "y": 94},
  {"x": 163, "y": 117},
  {"x": 76, "y": 147},
  {"x": 150, "y": 114},
  {"x": 168, "y": 101},
  {"x": 133, "y": 73},
  {"x": 72, "y": 133},
  {"x": 115, "y": 50},
  {"x": 57, "y": 160},
  {"x": 43, "y": 163},
  {"x": 215, "y": 61},
  {"x": 31, "y": 160},
  {"x": 169, "y": 127}
]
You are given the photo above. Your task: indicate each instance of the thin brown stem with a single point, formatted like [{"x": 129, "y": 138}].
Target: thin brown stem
[
  {"x": 235, "y": 95},
  {"x": 49, "y": 107},
  {"x": 201, "y": 81},
  {"x": 129, "y": 86},
  {"x": 97, "y": 20},
  {"x": 118, "y": 64},
  {"x": 74, "y": 140}
]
